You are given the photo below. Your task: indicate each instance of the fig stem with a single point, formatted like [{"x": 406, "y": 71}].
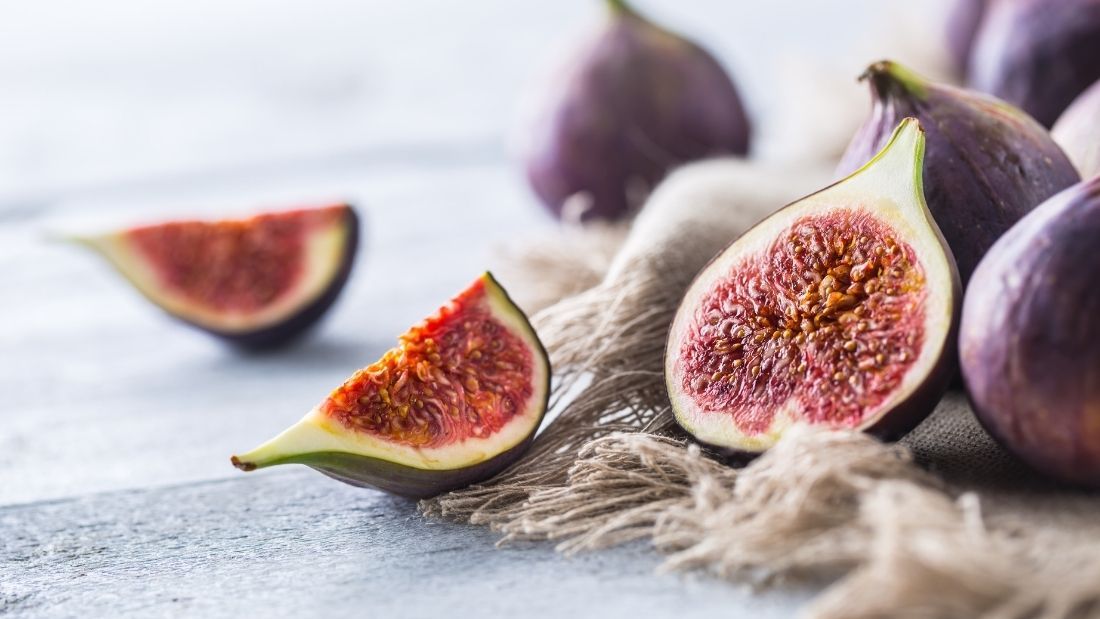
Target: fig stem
[
  {"x": 304, "y": 437},
  {"x": 63, "y": 236},
  {"x": 244, "y": 466},
  {"x": 620, "y": 7},
  {"x": 887, "y": 76}
]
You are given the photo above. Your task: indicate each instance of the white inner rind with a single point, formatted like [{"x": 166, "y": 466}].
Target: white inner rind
[
  {"x": 318, "y": 433},
  {"x": 890, "y": 189},
  {"x": 323, "y": 256}
]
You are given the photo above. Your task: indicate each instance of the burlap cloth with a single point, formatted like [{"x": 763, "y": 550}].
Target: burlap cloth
[{"x": 943, "y": 524}]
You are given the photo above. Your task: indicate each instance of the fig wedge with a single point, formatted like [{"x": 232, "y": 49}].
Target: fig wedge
[
  {"x": 456, "y": 402},
  {"x": 256, "y": 283}
]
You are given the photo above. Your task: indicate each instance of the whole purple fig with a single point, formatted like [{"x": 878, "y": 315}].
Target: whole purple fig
[
  {"x": 1078, "y": 132},
  {"x": 1037, "y": 54},
  {"x": 963, "y": 21},
  {"x": 1029, "y": 333},
  {"x": 633, "y": 102},
  {"x": 987, "y": 164}
]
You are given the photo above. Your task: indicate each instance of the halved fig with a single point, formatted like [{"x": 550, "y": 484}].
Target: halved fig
[
  {"x": 256, "y": 282},
  {"x": 456, "y": 402},
  {"x": 839, "y": 310}
]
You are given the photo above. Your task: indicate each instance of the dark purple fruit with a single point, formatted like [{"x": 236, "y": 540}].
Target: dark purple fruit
[
  {"x": 1037, "y": 54},
  {"x": 962, "y": 27},
  {"x": 988, "y": 164},
  {"x": 255, "y": 282},
  {"x": 1078, "y": 132},
  {"x": 839, "y": 310},
  {"x": 1029, "y": 337},
  {"x": 633, "y": 102},
  {"x": 456, "y": 402}
]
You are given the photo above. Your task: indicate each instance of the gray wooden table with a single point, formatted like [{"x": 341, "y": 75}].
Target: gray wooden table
[{"x": 116, "y": 495}]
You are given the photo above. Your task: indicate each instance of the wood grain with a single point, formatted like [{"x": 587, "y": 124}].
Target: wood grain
[{"x": 293, "y": 543}]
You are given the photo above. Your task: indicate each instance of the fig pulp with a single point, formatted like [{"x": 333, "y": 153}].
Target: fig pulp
[
  {"x": 1029, "y": 333},
  {"x": 635, "y": 101},
  {"x": 987, "y": 164},
  {"x": 456, "y": 402},
  {"x": 255, "y": 282},
  {"x": 1037, "y": 54},
  {"x": 1078, "y": 132},
  {"x": 839, "y": 310}
]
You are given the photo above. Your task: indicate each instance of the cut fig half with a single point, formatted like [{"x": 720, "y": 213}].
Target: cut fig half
[
  {"x": 256, "y": 282},
  {"x": 456, "y": 402},
  {"x": 839, "y": 310}
]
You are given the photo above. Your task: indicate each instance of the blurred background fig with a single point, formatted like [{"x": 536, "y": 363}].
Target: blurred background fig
[
  {"x": 1028, "y": 338},
  {"x": 257, "y": 283},
  {"x": 1078, "y": 132},
  {"x": 1037, "y": 54},
  {"x": 633, "y": 102},
  {"x": 987, "y": 163},
  {"x": 963, "y": 21}
]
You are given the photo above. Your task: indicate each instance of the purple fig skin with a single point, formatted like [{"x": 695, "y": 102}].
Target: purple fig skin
[
  {"x": 635, "y": 102},
  {"x": 986, "y": 164},
  {"x": 296, "y": 325},
  {"x": 962, "y": 26},
  {"x": 1037, "y": 54},
  {"x": 1078, "y": 132},
  {"x": 406, "y": 481},
  {"x": 1029, "y": 335}
]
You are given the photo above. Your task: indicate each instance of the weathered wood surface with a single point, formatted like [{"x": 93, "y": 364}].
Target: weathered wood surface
[
  {"x": 116, "y": 496},
  {"x": 290, "y": 544}
]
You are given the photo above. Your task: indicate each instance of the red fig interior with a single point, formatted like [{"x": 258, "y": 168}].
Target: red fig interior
[
  {"x": 835, "y": 311},
  {"x": 236, "y": 276},
  {"x": 462, "y": 387}
]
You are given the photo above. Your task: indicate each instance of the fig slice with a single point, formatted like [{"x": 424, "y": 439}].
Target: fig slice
[
  {"x": 455, "y": 402},
  {"x": 256, "y": 282},
  {"x": 838, "y": 310}
]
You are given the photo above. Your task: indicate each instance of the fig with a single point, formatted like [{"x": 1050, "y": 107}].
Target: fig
[
  {"x": 1037, "y": 54},
  {"x": 839, "y": 310},
  {"x": 987, "y": 163},
  {"x": 1028, "y": 337},
  {"x": 256, "y": 282},
  {"x": 963, "y": 21},
  {"x": 633, "y": 102},
  {"x": 455, "y": 402},
  {"x": 1078, "y": 132}
]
